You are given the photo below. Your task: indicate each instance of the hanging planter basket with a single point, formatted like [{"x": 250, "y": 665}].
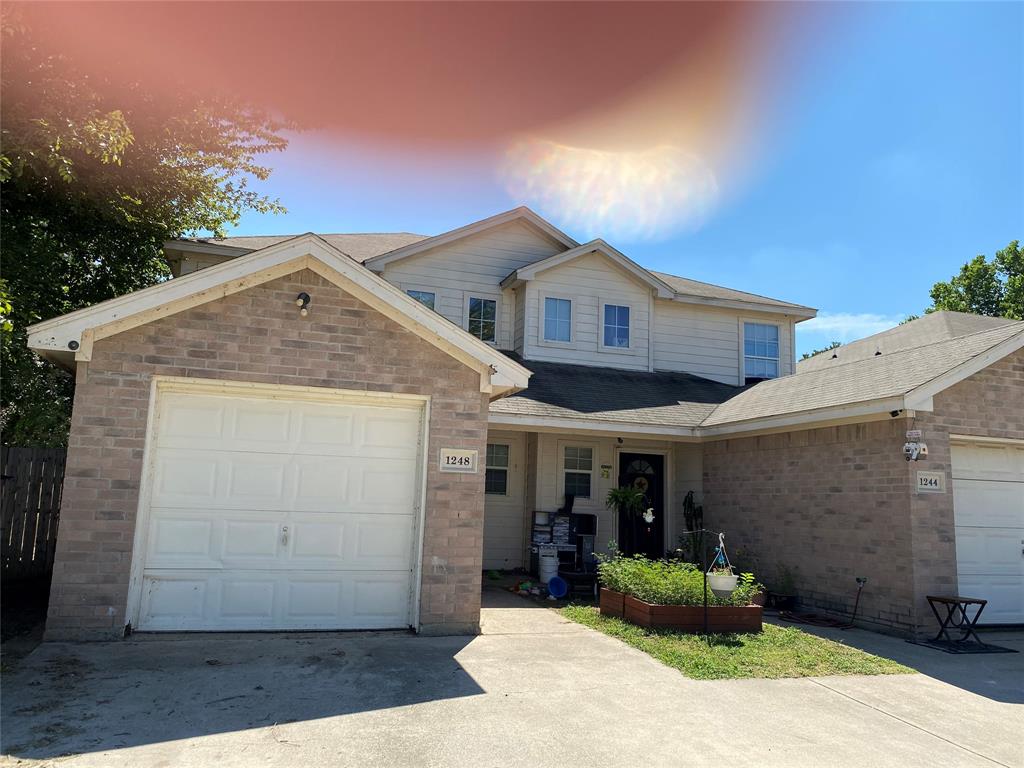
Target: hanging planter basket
[
  {"x": 721, "y": 578},
  {"x": 722, "y": 583}
]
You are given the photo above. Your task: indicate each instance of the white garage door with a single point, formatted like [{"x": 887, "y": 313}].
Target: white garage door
[
  {"x": 280, "y": 513},
  {"x": 988, "y": 499}
]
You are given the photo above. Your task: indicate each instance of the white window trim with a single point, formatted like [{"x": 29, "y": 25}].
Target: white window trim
[
  {"x": 406, "y": 287},
  {"x": 632, "y": 349},
  {"x": 496, "y": 298},
  {"x": 743, "y": 337},
  {"x": 561, "y": 445},
  {"x": 543, "y": 297},
  {"x": 507, "y": 468}
]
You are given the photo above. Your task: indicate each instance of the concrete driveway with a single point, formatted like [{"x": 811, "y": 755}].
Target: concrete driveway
[{"x": 532, "y": 690}]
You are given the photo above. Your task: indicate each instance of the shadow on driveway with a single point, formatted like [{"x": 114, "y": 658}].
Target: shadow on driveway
[
  {"x": 79, "y": 698},
  {"x": 996, "y": 676}
]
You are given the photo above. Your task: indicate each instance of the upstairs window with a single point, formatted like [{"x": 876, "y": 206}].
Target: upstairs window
[
  {"x": 483, "y": 318},
  {"x": 578, "y": 463},
  {"x": 760, "y": 351},
  {"x": 496, "y": 477},
  {"x": 557, "y": 320},
  {"x": 426, "y": 298},
  {"x": 616, "y": 326}
]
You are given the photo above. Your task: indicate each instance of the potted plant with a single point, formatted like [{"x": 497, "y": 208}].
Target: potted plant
[
  {"x": 632, "y": 502},
  {"x": 782, "y": 595}
]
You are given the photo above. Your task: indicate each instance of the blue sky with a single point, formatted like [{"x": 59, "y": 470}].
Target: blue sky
[{"x": 892, "y": 154}]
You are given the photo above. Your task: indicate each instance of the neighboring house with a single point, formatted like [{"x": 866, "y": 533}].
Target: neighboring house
[{"x": 237, "y": 463}]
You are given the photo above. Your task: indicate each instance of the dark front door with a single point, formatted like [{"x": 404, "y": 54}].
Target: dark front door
[{"x": 637, "y": 536}]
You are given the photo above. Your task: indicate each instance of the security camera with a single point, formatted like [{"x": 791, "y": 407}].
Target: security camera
[
  {"x": 922, "y": 451},
  {"x": 911, "y": 451}
]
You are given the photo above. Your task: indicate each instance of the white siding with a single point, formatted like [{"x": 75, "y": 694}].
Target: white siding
[
  {"x": 504, "y": 516},
  {"x": 474, "y": 266},
  {"x": 519, "y": 321},
  {"x": 588, "y": 281},
  {"x": 706, "y": 341}
]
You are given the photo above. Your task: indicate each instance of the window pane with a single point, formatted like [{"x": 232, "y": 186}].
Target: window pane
[
  {"x": 497, "y": 455},
  {"x": 487, "y": 330},
  {"x": 578, "y": 484},
  {"x": 496, "y": 482},
  {"x": 771, "y": 332},
  {"x": 426, "y": 298},
  {"x": 586, "y": 458},
  {"x": 557, "y": 319}
]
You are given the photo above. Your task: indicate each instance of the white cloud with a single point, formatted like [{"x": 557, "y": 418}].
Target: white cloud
[{"x": 846, "y": 326}]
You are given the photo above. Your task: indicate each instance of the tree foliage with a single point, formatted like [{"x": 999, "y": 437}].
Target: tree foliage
[
  {"x": 832, "y": 345},
  {"x": 985, "y": 287},
  {"x": 94, "y": 176}
]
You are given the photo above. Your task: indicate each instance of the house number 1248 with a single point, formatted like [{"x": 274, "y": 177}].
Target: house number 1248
[{"x": 458, "y": 460}]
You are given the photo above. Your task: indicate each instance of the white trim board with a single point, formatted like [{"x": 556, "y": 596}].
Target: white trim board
[{"x": 81, "y": 329}]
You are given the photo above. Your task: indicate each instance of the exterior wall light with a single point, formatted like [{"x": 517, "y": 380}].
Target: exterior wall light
[{"x": 302, "y": 302}]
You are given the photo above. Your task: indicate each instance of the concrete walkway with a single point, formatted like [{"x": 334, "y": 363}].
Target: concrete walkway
[{"x": 533, "y": 690}]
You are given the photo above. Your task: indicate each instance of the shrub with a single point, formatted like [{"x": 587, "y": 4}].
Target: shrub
[{"x": 668, "y": 582}]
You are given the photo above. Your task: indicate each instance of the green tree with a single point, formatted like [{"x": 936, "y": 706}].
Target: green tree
[
  {"x": 814, "y": 352},
  {"x": 94, "y": 176},
  {"x": 985, "y": 287}
]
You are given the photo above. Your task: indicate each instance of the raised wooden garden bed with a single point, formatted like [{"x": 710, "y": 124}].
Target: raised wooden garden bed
[
  {"x": 611, "y": 603},
  {"x": 683, "y": 618}
]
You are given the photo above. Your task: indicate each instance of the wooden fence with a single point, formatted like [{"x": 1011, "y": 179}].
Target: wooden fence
[{"x": 29, "y": 509}]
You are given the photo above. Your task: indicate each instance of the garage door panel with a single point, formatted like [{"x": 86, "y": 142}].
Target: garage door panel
[
  {"x": 988, "y": 507},
  {"x": 988, "y": 550},
  {"x": 378, "y": 598},
  {"x": 214, "y": 600},
  {"x": 989, "y": 503},
  {"x": 1004, "y": 595}
]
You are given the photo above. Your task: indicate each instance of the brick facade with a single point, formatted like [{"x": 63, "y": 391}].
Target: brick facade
[
  {"x": 258, "y": 336},
  {"x": 839, "y": 502}
]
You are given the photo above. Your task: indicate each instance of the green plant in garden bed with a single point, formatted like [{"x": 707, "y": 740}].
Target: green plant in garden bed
[
  {"x": 775, "y": 652},
  {"x": 669, "y": 582}
]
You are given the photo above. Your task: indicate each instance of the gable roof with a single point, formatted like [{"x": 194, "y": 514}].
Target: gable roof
[
  {"x": 522, "y": 213},
  {"x": 70, "y": 337},
  {"x": 642, "y": 275},
  {"x": 936, "y": 326},
  {"x": 590, "y": 394},
  {"x": 359, "y": 245},
  {"x": 909, "y": 377}
]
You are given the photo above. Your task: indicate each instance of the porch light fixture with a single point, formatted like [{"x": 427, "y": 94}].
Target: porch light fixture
[{"x": 302, "y": 302}]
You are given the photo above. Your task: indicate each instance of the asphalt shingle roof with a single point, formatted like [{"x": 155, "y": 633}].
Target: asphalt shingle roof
[
  {"x": 937, "y": 326},
  {"x": 689, "y": 287},
  {"x": 885, "y": 375},
  {"x": 360, "y": 246},
  {"x": 363, "y": 246},
  {"x": 588, "y": 393},
  {"x": 584, "y": 392}
]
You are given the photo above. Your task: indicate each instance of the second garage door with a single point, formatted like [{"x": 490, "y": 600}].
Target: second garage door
[
  {"x": 273, "y": 510},
  {"x": 988, "y": 504}
]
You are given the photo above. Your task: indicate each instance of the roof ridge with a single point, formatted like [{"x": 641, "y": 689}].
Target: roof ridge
[{"x": 900, "y": 351}]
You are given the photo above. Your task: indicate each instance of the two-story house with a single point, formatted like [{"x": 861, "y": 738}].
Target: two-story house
[{"x": 340, "y": 431}]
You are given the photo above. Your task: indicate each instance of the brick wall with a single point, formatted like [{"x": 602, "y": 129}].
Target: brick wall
[
  {"x": 258, "y": 336},
  {"x": 839, "y": 502},
  {"x": 829, "y": 504}
]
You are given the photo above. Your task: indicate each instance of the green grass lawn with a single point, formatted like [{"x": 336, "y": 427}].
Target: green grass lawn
[{"x": 775, "y": 652}]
